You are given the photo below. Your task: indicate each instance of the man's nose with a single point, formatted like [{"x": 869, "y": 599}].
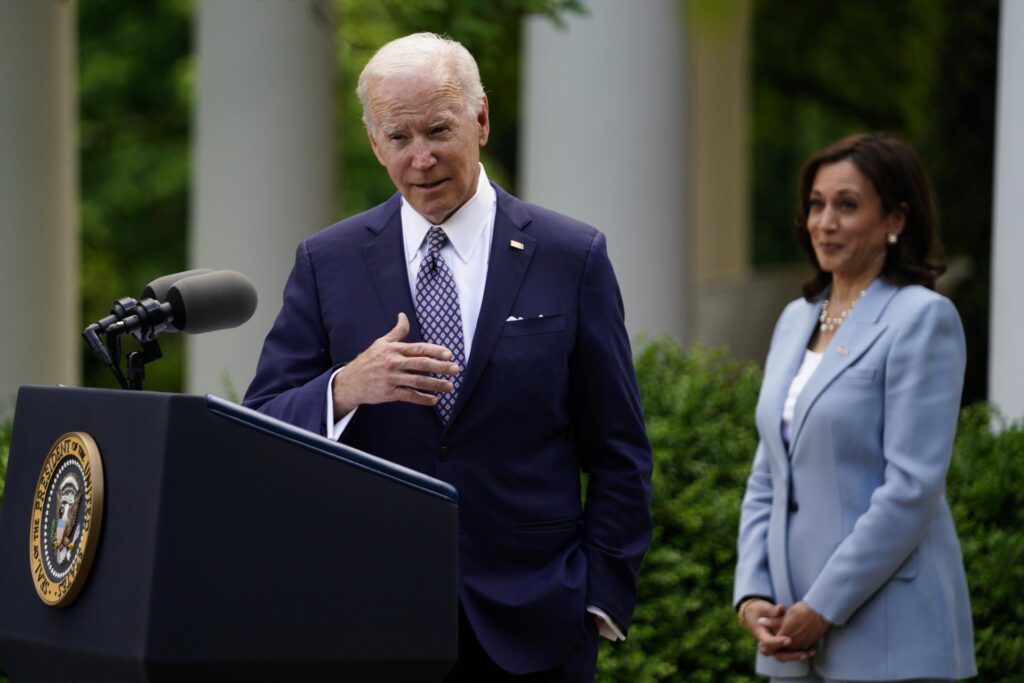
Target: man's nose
[{"x": 423, "y": 156}]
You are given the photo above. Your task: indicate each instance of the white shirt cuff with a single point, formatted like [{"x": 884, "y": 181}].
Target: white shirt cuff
[
  {"x": 336, "y": 429},
  {"x": 605, "y": 626}
]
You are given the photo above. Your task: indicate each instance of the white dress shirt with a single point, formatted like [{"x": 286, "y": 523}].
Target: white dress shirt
[{"x": 467, "y": 253}]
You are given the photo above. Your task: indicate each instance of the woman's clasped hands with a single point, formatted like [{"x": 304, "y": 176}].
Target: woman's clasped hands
[{"x": 788, "y": 635}]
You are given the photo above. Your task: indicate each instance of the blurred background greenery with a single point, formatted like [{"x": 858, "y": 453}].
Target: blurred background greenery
[{"x": 925, "y": 69}]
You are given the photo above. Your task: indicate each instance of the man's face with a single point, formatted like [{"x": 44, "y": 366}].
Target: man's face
[{"x": 429, "y": 141}]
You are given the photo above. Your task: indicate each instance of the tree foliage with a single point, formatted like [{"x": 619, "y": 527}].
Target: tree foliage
[
  {"x": 490, "y": 30},
  {"x": 923, "y": 69},
  {"x": 135, "y": 98}
]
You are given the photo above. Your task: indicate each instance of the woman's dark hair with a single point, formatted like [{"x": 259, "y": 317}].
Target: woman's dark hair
[{"x": 899, "y": 179}]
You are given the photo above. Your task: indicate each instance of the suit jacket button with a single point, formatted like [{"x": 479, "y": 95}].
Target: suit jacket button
[
  {"x": 793, "y": 505},
  {"x": 443, "y": 454}
]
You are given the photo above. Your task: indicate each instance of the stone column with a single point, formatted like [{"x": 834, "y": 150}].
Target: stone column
[
  {"x": 1006, "y": 362},
  {"x": 604, "y": 130},
  {"x": 40, "y": 321},
  {"x": 264, "y": 163}
]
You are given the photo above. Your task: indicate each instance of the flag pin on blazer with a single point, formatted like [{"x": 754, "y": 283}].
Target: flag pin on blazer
[
  {"x": 843, "y": 351},
  {"x": 516, "y": 245}
]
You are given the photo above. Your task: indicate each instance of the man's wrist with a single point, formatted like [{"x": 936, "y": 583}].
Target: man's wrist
[{"x": 343, "y": 404}]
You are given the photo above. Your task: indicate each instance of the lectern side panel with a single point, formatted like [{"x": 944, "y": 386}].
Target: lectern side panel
[
  {"x": 102, "y": 631},
  {"x": 274, "y": 552}
]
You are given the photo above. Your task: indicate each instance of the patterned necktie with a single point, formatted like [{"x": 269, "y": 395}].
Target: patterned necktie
[{"x": 437, "y": 307}]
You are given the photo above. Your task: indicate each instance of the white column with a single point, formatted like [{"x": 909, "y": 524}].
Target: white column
[
  {"x": 603, "y": 140},
  {"x": 1006, "y": 362},
  {"x": 264, "y": 163},
  {"x": 39, "y": 324}
]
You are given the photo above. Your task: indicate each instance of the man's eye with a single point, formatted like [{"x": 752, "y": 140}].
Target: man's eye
[
  {"x": 396, "y": 137},
  {"x": 438, "y": 130}
]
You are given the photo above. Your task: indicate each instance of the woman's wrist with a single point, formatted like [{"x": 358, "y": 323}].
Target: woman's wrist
[{"x": 741, "y": 611}]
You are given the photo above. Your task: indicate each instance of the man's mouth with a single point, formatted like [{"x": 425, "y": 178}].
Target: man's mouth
[{"x": 429, "y": 186}]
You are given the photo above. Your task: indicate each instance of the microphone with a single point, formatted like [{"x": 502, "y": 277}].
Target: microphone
[
  {"x": 158, "y": 288},
  {"x": 212, "y": 301},
  {"x": 205, "y": 302},
  {"x": 192, "y": 301}
]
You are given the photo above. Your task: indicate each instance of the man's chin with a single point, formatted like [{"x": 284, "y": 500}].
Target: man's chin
[{"x": 435, "y": 212}]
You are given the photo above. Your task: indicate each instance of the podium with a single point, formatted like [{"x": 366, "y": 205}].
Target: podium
[{"x": 232, "y": 546}]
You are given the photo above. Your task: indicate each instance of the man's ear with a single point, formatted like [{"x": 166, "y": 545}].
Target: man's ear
[{"x": 483, "y": 119}]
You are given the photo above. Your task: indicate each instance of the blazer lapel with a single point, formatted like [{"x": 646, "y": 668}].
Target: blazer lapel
[
  {"x": 385, "y": 259},
  {"x": 855, "y": 337},
  {"x": 792, "y": 344},
  {"x": 505, "y": 272}
]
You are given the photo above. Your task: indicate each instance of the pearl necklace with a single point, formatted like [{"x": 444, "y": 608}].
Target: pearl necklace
[{"x": 828, "y": 324}]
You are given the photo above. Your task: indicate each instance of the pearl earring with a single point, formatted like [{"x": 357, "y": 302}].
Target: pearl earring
[{"x": 891, "y": 238}]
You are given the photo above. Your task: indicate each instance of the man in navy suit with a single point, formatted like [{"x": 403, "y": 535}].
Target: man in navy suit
[{"x": 463, "y": 333}]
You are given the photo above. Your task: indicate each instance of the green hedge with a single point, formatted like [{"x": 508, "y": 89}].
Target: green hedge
[{"x": 700, "y": 408}]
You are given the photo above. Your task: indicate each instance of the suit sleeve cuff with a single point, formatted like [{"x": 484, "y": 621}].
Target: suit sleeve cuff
[
  {"x": 605, "y": 626},
  {"x": 336, "y": 429}
]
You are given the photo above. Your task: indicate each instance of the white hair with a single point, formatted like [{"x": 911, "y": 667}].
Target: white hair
[{"x": 443, "y": 57}]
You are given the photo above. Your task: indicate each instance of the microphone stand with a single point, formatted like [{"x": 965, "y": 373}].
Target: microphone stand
[{"x": 137, "y": 363}]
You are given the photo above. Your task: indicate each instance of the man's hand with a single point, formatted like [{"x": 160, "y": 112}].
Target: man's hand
[
  {"x": 764, "y": 621},
  {"x": 392, "y": 370},
  {"x": 803, "y": 626}
]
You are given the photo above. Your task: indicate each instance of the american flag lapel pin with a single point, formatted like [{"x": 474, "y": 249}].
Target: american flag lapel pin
[
  {"x": 843, "y": 351},
  {"x": 515, "y": 244}
]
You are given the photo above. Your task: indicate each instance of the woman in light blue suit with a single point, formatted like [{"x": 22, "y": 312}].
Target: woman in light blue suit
[{"x": 849, "y": 565}]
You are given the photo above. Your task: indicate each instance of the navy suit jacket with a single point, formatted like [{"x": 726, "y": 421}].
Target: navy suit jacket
[{"x": 542, "y": 398}]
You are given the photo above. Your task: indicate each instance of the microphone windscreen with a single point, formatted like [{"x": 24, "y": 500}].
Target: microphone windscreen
[
  {"x": 212, "y": 301},
  {"x": 158, "y": 288}
]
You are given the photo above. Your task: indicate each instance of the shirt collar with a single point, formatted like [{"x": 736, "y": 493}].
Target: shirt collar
[{"x": 463, "y": 228}]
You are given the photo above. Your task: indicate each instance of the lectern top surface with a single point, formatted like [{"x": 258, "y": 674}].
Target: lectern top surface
[{"x": 319, "y": 444}]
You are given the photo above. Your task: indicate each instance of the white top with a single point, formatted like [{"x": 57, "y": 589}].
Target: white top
[{"x": 807, "y": 368}]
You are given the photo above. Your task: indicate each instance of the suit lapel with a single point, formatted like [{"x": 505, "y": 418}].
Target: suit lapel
[
  {"x": 855, "y": 337},
  {"x": 792, "y": 345},
  {"x": 385, "y": 259},
  {"x": 505, "y": 272}
]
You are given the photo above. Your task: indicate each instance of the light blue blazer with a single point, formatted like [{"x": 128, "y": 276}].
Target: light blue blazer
[{"x": 852, "y": 517}]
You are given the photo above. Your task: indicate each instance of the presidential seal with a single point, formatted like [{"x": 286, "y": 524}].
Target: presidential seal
[{"x": 67, "y": 510}]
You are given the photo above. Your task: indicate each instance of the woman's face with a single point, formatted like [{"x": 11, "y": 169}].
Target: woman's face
[{"x": 847, "y": 225}]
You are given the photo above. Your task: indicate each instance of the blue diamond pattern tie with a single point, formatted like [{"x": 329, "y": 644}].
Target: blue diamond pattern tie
[{"x": 437, "y": 307}]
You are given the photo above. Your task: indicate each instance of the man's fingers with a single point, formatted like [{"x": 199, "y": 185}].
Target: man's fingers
[
  {"x": 423, "y": 364},
  {"x": 412, "y": 396},
  {"x": 399, "y": 331},
  {"x": 425, "y": 383},
  {"x": 426, "y": 350}
]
